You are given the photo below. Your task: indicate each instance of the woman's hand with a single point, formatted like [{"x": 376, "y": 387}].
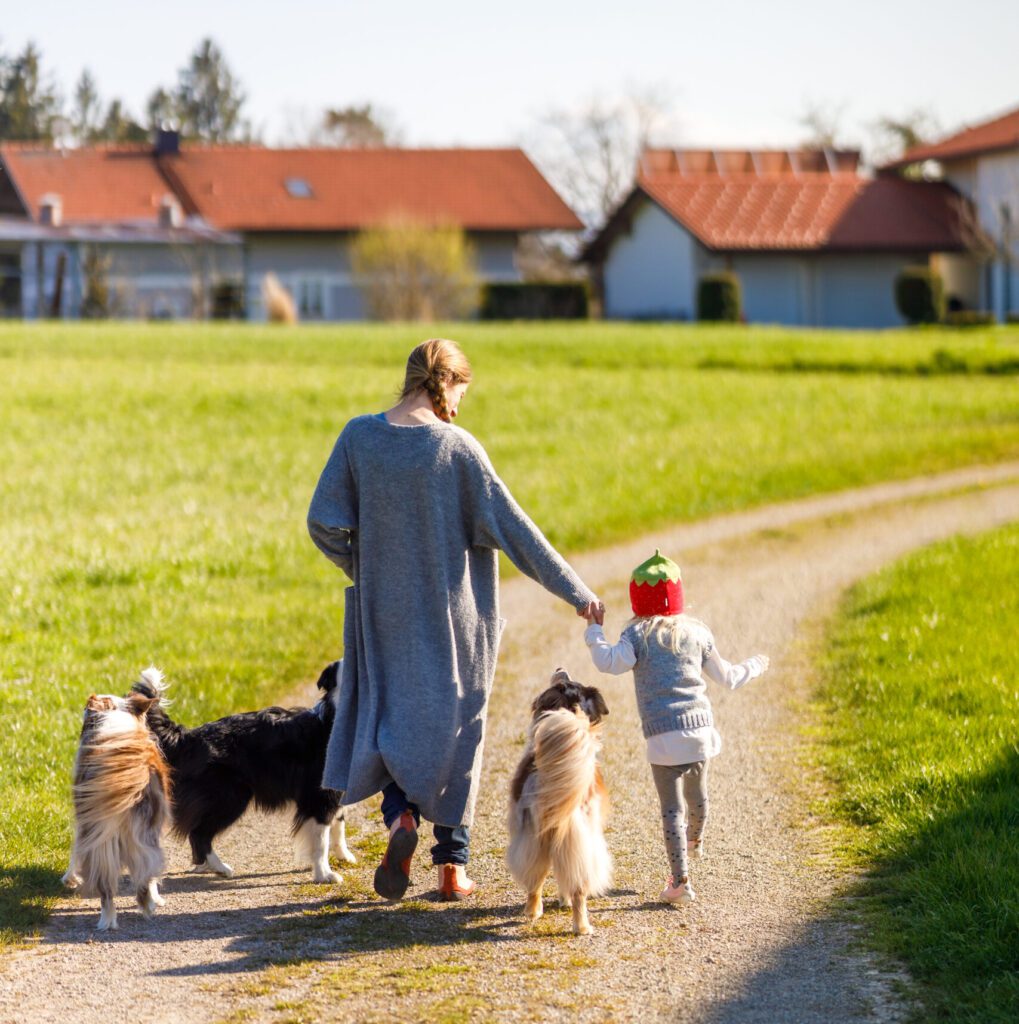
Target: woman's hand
[{"x": 593, "y": 612}]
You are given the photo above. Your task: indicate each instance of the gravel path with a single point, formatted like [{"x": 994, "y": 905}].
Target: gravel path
[{"x": 763, "y": 942}]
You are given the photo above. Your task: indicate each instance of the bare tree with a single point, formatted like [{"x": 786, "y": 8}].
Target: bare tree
[
  {"x": 822, "y": 125},
  {"x": 354, "y": 127},
  {"x": 590, "y": 153},
  {"x": 364, "y": 126},
  {"x": 893, "y": 136}
]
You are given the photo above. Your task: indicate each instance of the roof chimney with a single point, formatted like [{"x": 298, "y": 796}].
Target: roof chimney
[
  {"x": 167, "y": 141},
  {"x": 51, "y": 209},
  {"x": 170, "y": 215}
]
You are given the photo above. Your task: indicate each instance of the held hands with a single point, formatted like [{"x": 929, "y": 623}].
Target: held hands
[
  {"x": 763, "y": 661},
  {"x": 593, "y": 612}
]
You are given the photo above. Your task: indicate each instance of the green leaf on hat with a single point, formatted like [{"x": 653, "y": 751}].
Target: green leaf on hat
[{"x": 656, "y": 569}]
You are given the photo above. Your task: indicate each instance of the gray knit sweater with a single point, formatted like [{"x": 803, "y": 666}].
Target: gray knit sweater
[
  {"x": 669, "y": 686},
  {"x": 415, "y": 517}
]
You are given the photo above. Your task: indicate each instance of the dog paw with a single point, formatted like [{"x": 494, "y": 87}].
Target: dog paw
[
  {"x": 72, "y": 880},
  {"x": 345, "y": 855},
  {"x": 584, "y": 929},
  {"x": 107, "y": 925},
  {"x": 327, "y": 877}
]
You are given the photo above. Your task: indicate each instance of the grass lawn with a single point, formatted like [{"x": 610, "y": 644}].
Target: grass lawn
[
  {"x": 922, "y": 744},
  {"x": 156, "y": 478}
]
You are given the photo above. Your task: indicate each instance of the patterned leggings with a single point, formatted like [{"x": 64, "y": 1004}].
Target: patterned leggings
[{"x": 683, "y": 792}]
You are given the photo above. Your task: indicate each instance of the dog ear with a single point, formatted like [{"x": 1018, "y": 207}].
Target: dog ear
[
  {"x": 138, "y": 704},
  {"x": 599, "y": 702},
  {"x": 330, "y": 677}
]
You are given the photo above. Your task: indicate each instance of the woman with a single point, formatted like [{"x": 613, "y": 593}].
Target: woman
[{"x": 410, "y": 508}]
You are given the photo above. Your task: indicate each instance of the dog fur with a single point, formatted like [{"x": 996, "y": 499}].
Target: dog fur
[
  {"x": 558, "y": 802},
  {"x": 121, "y": 805},
  {"x": 272, "y": 757}
]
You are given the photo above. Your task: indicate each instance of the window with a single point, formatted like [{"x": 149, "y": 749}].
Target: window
[
  {"x": 298, "y": 188},
  {"x": 311, "y": 298}
]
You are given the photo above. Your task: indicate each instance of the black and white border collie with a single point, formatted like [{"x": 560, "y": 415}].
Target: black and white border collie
[{"x": 273, "y": 758}]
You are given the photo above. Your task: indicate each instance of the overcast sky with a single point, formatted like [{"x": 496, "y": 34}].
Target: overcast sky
[{"x": 459, "y": 73}]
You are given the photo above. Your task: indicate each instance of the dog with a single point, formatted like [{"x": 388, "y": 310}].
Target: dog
[
  {"x": 272, "y": 757},
  {"x": 558, "y": 801},
  {"x": 121, "y": 805}
]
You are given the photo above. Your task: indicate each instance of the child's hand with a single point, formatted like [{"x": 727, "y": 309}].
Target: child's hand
[
  {"x": 763, "y": 662},
  {"x": 593, "y": 612}
]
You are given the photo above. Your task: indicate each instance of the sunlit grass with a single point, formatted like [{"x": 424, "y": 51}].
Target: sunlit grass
[
  {"x": 922, "y": 744},
  {"x": 155, "y": 481}
]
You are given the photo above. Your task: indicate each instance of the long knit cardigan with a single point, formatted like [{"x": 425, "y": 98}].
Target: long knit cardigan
[{"x": 415, "y": 516}]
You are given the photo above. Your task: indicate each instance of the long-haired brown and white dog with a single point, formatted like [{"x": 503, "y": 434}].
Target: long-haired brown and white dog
[
  {"x": 558, "y": 801},
  {"x": 121, "y": 805}
]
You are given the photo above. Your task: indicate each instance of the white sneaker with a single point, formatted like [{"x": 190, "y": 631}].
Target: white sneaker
[{"x": 682, "y": 893}]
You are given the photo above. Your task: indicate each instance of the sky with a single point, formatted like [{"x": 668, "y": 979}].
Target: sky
[{"x": 736, "y": 74}]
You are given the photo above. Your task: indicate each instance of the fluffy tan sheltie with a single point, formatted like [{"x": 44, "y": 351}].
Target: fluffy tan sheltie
[
  {"x": 558, "y": 802},
  {"x": 121, "y": 805}
]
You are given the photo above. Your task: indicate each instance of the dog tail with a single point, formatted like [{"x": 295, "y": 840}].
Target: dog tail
[
  {"x": 565, "y": 748},
  {"x": 152, "y": 683},
  {"x": 121, "y": 805}
]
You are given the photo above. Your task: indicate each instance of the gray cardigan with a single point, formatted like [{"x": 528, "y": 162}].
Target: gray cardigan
[
  {"x": 669, "y": 685},
  {"x": 415, "y": 516}
]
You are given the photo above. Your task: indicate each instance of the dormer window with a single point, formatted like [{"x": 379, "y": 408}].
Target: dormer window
[{"x": 298, "y": 188}]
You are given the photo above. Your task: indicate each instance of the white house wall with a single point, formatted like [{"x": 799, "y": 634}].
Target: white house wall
[
  {"x": 300, "y": 261},
  {"x": 652, "y": 270},
  {"x": 991, "y": 181}
]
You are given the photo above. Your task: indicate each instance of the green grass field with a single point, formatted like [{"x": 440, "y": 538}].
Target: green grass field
[
  {"x": 922, "y": 745},
  {"x": 156, "y": 479}
]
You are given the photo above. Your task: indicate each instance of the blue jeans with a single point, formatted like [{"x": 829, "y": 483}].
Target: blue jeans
[{"x": 451, "y": 844}]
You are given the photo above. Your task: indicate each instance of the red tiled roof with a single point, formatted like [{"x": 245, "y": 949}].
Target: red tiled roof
[
  {"x": 997, "y": 134},
  {"x": 479, "y": 189},
  {"x": 742, "y": 200},
  {"x": 245, "y": 188},
  {"x": 95, "y": 184}
]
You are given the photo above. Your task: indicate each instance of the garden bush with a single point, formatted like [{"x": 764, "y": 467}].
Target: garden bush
[
  {"x": 718, "y": 297},
  {"x": 920, "y": 295},
  {"x": 536, "y": 300}
]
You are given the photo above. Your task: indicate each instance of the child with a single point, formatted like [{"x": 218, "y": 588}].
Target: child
[{"x": 668, "y": 651}]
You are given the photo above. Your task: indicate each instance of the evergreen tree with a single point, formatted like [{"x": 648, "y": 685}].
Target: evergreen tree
[
  {"x": 208, "y": 99},
  {"x": 29, "y": 102},
  {"x": 86, "y": 112}
]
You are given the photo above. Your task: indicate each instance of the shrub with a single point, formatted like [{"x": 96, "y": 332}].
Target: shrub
[
  {"x": 920, "y": 295},
  {"x": 95, "y": 272},
  {"x": 412, "y": 271},
  {"x": 545, "y": 300},
  {"x": 1012, "y": 318},
  {"x": 969, "y": 318},
  {"x": 718, "y": 297}
]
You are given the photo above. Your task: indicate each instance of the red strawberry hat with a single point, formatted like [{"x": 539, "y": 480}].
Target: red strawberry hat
[{"x": 656, "y": 587}]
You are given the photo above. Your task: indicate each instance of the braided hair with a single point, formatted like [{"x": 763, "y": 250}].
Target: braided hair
[{"x": 435, "y": 365}]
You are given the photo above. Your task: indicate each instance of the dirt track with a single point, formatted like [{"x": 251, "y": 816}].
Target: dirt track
[{"x": 763, "y": 942}]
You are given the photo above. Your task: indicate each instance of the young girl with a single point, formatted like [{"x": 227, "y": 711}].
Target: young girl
[{"x": 668, "y": 652}]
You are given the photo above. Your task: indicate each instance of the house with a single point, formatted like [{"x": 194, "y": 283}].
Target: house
[
  {"x": 254, "y": 210},
  {"x": 812, "y": 240},
  {"x": 982, "y": 163}
]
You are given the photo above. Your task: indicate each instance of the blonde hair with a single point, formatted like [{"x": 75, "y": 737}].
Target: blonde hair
[
  {"x": 434, "y": 365},
  {"x": 664, "y": 629}
]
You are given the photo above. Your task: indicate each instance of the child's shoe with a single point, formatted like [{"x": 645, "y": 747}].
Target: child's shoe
[
  {"x": 695, "y": 850},
  {"x": 681, "y": 893}
]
